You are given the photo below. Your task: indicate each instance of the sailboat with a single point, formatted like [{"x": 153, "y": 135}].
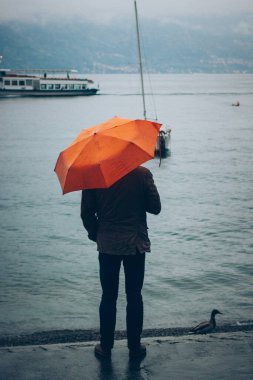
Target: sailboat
[{"x": 163, "y": 142}]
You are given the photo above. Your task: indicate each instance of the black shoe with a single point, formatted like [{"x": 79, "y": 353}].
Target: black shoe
[
  {"x": 101, "y": 352},
  {"x": 139, "y": 352}
]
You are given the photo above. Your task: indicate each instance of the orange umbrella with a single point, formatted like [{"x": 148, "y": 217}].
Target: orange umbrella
[{"x": 102, "y": 154}]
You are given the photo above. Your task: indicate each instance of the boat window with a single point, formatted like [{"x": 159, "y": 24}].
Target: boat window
[
  {"x": 50, "y": 86},
  {"x": 43, "y": 86},
  {"x": 14, "y": 83},
  {"x": 71, "y": 87},
  {"x": 7, "y": 82},
  {"x": 29, "y": 82},
  {"x": 21, "y": 82},
  {"x": 57, "y": 86},
  {"x": 78, "y": 87},
  {"x": 84, "y": 86}
]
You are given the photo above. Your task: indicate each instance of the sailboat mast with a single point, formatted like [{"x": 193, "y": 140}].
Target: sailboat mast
[{"x": 140, "y": 60}]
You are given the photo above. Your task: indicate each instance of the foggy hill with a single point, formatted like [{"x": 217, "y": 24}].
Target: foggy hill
[{"x": 211, "y": 45}]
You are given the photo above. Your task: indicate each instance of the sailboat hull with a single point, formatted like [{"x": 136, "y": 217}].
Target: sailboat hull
[
  {"x": 163, "y": 146},
  {"x": 162, "y": 149}
]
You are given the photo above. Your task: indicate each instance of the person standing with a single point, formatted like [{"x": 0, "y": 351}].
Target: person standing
[{"x": 115, "y": 218}]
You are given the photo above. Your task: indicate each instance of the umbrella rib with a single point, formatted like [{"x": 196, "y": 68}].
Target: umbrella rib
[
  {"x": 75, "y": 145},
  {"x": 122, "y": 137},
  {"x": 102, "y": 174},
  {"x": 97, "y": 163},
  {"x": 122, "y": 153}
]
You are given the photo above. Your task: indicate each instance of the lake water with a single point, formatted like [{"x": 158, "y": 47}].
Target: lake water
[{"x": 202, "y": 242}]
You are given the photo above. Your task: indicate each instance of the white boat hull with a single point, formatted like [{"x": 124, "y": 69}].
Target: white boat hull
[
  {"x": 36, "y": 93},
  {"x": 163, "y": 143},
  {"x": 13, "y": 83}
]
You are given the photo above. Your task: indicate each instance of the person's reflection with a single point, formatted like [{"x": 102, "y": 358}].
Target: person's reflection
[
  {"x": 106, "y": 371},
  {"x": 134, "y": 370}
]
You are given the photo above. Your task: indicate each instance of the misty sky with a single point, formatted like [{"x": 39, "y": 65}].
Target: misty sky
[{"x": 107, "y": 10}]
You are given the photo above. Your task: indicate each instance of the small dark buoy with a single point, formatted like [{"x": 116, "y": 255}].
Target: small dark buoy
[{"x": 208, "y": 326}]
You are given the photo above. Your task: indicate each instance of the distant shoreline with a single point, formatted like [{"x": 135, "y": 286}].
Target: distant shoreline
[{"x": 72, "y": 336}]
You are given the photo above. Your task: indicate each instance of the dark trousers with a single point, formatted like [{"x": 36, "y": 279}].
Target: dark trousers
[{"x": 134, "y": 267}]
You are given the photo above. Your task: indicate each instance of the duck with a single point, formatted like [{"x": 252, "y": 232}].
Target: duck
[{"x": 208, "y": 326}]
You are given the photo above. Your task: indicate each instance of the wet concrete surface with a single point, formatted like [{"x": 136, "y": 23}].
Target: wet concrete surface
[
  {"x": 77, "y": 336},
  {"x": 216, "y": 356}
]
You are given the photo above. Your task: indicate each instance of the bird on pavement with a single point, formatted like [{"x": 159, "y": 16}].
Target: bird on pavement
[{"x": 208, "y": 326}]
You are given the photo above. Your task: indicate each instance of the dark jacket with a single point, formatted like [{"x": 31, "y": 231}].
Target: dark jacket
[{"x": 116, "y": 217}]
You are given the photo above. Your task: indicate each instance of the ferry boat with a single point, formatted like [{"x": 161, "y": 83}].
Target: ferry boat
[{"x": 44, "y": 83}]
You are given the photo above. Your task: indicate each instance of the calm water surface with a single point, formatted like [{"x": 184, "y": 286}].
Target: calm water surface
[{"x": 202, "y": 242}]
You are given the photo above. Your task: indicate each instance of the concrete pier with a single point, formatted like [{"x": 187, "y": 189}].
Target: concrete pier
[{"x": 225, "y": 355}]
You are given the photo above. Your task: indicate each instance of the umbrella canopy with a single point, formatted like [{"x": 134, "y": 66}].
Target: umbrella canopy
[{"x": 101, "y": 155}]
